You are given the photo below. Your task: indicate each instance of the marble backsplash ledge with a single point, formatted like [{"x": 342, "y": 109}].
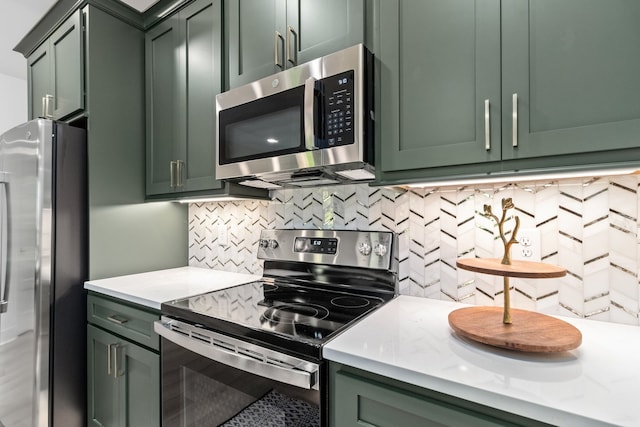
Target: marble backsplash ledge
[{"x": 589, "y": 226}]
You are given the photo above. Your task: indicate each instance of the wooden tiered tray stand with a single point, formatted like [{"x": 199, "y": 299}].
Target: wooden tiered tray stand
[{"x": 514, "y": 329}]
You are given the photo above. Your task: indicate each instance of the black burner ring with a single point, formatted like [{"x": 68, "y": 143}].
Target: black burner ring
[
  {"x": 295, "y": 313},
  {"x": 350, "y": 302}
]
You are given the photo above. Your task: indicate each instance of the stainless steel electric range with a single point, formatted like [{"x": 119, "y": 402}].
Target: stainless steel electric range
[{"x": 251, "y": 355}]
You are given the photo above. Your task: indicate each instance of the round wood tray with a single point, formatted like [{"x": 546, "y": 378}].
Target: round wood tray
[
  {"x": 530, "y": 331},
  {"x": 525, "y": 269}
]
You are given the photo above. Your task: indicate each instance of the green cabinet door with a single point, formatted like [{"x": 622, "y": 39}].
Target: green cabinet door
[
  {"x": 200, "y": 82},
  {"x": 575, "y": 68},
  {"x": 56, "y": 72},
  {"x": 255, "y": 39},
  {"x": 319, "y": 27},
  {"x": 123, "y": 381},
  {"x": 184, "y": 74},
  {"x": 267, "y": 36},
  {"x": 39, "y": 81},
  {"x": 103, "y": 389},
  {"x": 439, "y": 85},
  {"x": 162, "y": 63},
  {"x": 67, "y": 63},
  {"x": 141, "y": 382}
]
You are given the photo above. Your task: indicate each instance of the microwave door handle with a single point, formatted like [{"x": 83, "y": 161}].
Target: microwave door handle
[
  {"x": 309, "y": 125},
  {"x": 4, "y": 297}
]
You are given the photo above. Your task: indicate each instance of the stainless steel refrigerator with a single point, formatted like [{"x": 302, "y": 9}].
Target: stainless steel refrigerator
[{"x": 43, "y": 264}]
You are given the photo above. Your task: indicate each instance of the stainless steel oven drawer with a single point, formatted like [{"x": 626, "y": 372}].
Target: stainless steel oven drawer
[
  {"x": 125, "y": 320},
  {"x": 240, "y": 354}
]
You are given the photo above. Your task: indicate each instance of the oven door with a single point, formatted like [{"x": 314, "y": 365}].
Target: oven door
[
  {"x": 268, "y": 126},
  {"x": 210, "y": 379}
]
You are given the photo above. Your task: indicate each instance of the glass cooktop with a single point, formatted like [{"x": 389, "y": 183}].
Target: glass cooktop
[{"x": 289, "y": 311}]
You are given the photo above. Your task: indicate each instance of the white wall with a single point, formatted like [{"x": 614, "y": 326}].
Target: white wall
[{"x": 13, "y": 102}]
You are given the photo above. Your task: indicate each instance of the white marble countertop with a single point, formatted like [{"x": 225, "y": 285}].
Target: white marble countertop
[
  {"x": 409, "y": 339},
  {"x": 153, "y": 288}
]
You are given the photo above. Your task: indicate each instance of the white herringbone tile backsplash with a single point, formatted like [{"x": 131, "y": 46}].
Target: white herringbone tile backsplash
[{"x": 588, "y": 226}]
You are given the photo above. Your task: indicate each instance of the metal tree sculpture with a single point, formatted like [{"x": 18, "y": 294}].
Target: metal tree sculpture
[{"x": 506, "y": 258}]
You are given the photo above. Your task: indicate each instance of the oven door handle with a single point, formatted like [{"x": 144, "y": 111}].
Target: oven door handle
[{"x": 229, "y": 357}]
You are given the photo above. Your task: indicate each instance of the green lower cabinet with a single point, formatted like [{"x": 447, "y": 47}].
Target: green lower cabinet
[
  {"x": 359, "y": 398},
  {"x": 124, "y": 381},
  {"x": 123, "y": 375}
]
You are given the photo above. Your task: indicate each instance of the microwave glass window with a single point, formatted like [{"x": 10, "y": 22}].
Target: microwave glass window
[
  {"x": 263, "y": 128},
  {"x": 279, "y": 130}
]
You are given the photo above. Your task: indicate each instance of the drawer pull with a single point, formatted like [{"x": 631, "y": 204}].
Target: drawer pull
[{"x": 120, "y": 320}]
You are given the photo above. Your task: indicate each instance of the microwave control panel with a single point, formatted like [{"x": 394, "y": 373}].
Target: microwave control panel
[{"x": 338, "y": 107}]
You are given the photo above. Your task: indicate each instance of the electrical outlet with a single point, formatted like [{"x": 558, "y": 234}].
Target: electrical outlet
[
  {"x": 223, "y": 235},
  {"x": 528, "y": 246}
]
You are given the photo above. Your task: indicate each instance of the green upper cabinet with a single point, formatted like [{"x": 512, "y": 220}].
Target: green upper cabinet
[
  {"x": 575, "y": 68},
  {"x": 267, "y": 36},
  {"x": 55, "y": 72},
  {"x": 470, "y": 87},
  {"x": 440, "y": 92},
  {"x": 184, "y": 74},
  {"x": 39, "y": 81}
]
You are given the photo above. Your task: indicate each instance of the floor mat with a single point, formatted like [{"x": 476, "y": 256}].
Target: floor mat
[{"x": 277, "y": 410}]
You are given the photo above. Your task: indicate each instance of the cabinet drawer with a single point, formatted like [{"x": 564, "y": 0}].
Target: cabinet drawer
[
  {"x": 130, "y": 322},
  {"x": 359, "y": 398}
]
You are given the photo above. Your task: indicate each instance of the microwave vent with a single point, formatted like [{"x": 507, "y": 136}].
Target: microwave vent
[{"x": 313, "y": 182}]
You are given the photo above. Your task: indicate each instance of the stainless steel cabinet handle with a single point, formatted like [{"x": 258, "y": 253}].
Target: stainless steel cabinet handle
[
  {"x": 109, "y": 359},
  {"x": 4, "y": 302},
  {"x": 118, "y": 368},
  {"x": 179, "y": 168},
  {"x": 291, "y": 56},
  {"x": 120, "y": 320},
  {"x": 114, "y": 353},
  {"x": 47, "y": 113},
  {"x": 279, "y": 41},
  {"x": 514, "y": 130},
  {"x": 487, "y": 126},
  {"x": 172, "y": 174},
  {"x": 46, "y": 105}
]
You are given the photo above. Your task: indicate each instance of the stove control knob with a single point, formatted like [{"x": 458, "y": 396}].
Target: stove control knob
[
  {"x": 364, "y": 248},
  {"x": 380, "y": 249},
  {"x": 273, "y": 244},
  {"x": 264, "y": 243}
]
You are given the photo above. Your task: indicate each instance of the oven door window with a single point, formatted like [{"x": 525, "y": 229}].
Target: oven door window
[
  {"x": 197, "y": 391},
  {"x": 263, "y": 128}
]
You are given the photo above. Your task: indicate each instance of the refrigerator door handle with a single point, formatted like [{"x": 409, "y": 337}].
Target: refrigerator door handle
[{"x": 6, "y": 268}]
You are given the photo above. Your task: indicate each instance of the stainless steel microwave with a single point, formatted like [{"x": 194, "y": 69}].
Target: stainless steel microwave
[{"x": 305, "y": 126}]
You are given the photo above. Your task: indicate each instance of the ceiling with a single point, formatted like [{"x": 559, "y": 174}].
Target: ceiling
[{"x": 24, "y": 15}]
